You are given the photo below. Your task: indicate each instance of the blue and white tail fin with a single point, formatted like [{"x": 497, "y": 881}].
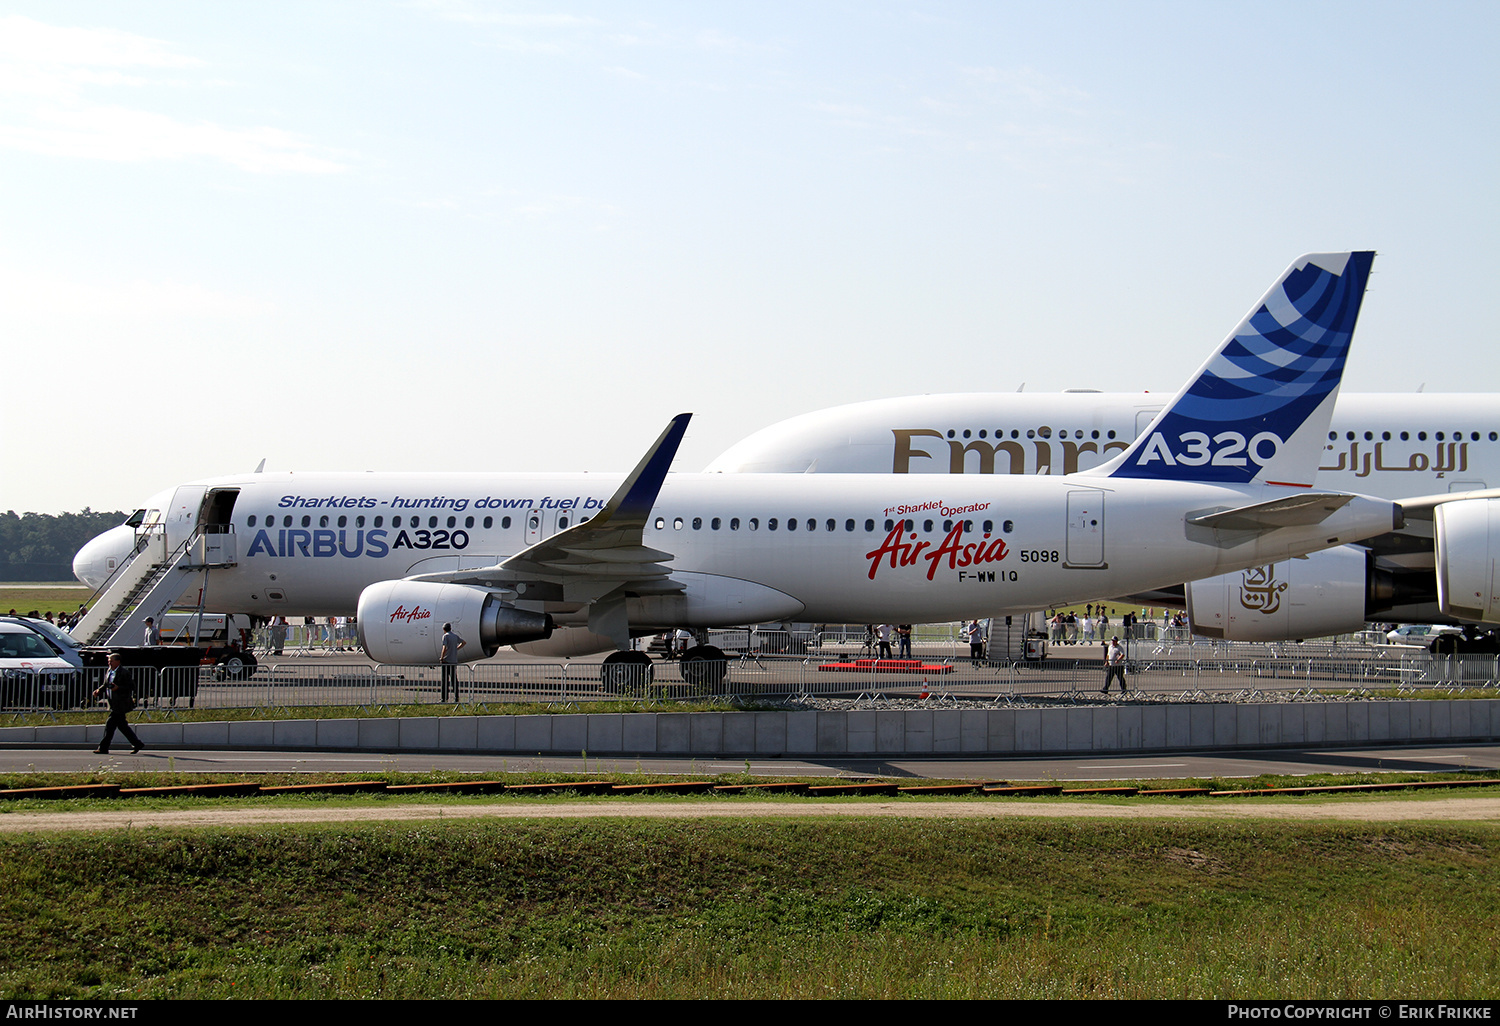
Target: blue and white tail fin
[{"x": 1258, "y": 410}]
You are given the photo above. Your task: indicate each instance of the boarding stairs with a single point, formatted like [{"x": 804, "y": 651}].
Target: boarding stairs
[{"x": 149, "y": 583}]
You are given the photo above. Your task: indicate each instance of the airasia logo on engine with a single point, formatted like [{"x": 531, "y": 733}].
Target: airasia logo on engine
[
  {"x": 952, "y": 549},
  {"x": 408, "y": 615}
]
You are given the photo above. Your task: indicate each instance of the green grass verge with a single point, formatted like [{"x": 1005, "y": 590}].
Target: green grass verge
[
  {"x": 763, "y": 909},
  {"x": 59, "y": 598}
]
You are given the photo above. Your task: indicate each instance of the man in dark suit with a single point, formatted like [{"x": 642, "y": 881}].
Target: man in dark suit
[{"x": 120, "y": 689}]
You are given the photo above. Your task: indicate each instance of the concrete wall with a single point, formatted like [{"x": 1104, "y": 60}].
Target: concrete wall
[{"x": 1001, "y": 731}]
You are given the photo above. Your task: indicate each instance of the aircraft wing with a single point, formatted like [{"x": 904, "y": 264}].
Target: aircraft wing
[
  {"x": 1292, "y": 511},
  {"x": 600, "y": 555},
  {"x": 1423, "y": 506}
]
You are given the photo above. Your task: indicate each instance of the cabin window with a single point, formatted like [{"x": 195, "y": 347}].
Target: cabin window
[
  {"x": 812, "y": 525},
  {"x": 927, "y": 525},
  {"x": 697, "y": 523},
  {"x": 870, "y": 525},
  {"x": 469, "y": 522},
  {"x": 661, "y": 522},
  {"x": 432, "y": 521},
  {"x": 307, "y": 521},
  {"x": 771, "y": 524},
  {"x": 755, "y": 523},
  {"x": 947, "y": 526},
  {"x": 677, "y": 524},
  {"x": 734, "y": 523},
  {"x": 714, "y": 523},
  {"x": 1008, "y": 526},
  {"x": 505, "y": 523},
  {"x": 849, "y": 524},
  {"x": 791, "y": 523},
  {"x": 453, "y": 521},
  {"x": 250, "y": 522},
  {"x": 379, "y": 521},
  {"x": 343, "y": 521},
  {"x": 562, "y": 523},
  {"x": 889, "y": 523}
]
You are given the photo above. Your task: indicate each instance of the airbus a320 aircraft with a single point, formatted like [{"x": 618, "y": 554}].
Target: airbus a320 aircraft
[
  {"x": 560, "y": 564},
  {"x": 1390, "y": 445}
]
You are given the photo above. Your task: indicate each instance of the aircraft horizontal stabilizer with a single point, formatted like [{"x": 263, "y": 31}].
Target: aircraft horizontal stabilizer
[{"x": 1293, "y": 511}]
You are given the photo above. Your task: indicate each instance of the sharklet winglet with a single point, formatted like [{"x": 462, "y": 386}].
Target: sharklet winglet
[{"x": 637, "y": 494}]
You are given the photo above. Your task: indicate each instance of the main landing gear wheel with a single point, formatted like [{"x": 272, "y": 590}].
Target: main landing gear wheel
[
  {"x": 627, "y": 673},
  {"x": 704, "y": 668}
]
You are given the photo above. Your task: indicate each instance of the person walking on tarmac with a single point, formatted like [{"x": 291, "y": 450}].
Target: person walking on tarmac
[{"x": 121, "y": 695}]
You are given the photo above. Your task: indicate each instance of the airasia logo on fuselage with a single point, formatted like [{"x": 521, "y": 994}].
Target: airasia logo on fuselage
[
  {"x": 906, "y": 552},
  {"x": 408, "y": 615}
]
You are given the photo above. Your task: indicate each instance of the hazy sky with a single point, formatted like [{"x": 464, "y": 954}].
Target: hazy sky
[{"x": 515, "y": 236}]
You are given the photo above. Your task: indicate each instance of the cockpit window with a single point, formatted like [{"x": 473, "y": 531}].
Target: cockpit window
[{"x": 134, "y": 520}]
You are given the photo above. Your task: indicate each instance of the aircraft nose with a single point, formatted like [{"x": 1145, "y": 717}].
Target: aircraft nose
[{"x": 100, "y": 556}]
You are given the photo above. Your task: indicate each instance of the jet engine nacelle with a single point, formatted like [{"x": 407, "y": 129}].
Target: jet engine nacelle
[
  {"x": 1468, "y": 542},
  {"x": 1323, "y": 594},
  {"x": 568, "y": 643},
  {"x": 402, "y": 621}
]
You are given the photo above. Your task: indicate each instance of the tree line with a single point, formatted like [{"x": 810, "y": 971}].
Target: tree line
[{"x": 41, "y": 546}]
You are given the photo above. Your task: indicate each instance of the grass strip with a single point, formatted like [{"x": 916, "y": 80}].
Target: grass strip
[{"x": 769, "y": 909}]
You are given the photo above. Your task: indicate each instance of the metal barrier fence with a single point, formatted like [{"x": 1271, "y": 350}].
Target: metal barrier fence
[
  {"x": 299, "y": 639},
  {"x": 1156, "y": 672}
]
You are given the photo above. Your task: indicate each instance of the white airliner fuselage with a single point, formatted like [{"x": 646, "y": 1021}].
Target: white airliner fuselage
[
  {"x": 1392, "y": 445},
  {"x": 748, "y": 548}
]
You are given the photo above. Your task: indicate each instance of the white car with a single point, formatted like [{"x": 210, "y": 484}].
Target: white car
[
  {"x": 1419, "y": 633},
  {"x": 33, "y": 672}
]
